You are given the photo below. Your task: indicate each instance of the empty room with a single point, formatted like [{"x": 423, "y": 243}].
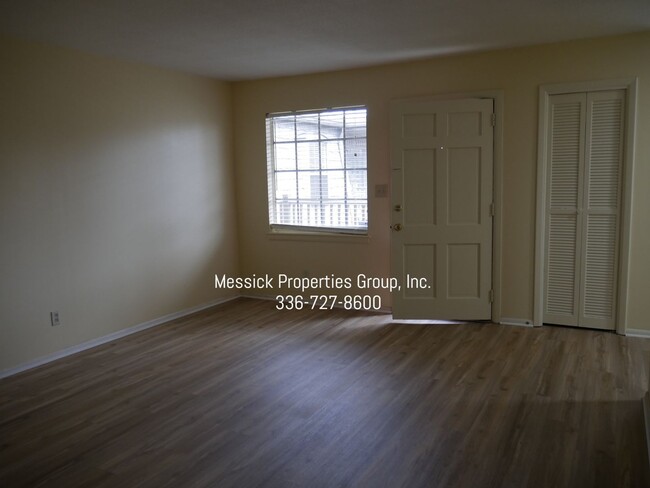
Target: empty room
[{"x": 324, "y": 244}]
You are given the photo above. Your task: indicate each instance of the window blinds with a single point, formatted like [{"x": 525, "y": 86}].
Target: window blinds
[{"x": 317, "y": 170}]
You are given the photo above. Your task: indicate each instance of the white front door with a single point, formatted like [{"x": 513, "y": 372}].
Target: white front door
[{"x": 441, "y": 246}]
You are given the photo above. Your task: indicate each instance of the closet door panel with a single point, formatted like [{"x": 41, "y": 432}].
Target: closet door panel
[
  {"x": 566, "y": 143},
  {"x": 602, "y": 188},
  {"x": 561, "y": 265}
]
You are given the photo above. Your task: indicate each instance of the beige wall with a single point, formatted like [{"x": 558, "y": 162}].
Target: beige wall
[
  {"x": 518, "y": 72},
  {"x": 117, "y": 200},
  {"x": 116, "y": 196}
]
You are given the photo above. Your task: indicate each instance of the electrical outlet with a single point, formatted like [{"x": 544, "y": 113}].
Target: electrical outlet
[{"x": 54, "y": 318}]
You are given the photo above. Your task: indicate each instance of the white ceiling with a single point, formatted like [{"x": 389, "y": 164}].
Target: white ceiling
[{"x": 246, "y": 39}]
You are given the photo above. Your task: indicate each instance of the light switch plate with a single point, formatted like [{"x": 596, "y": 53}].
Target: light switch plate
[{"x": 381, "y": 190}]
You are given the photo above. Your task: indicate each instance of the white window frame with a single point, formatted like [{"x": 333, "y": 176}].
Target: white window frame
[{"x": 349, "y": 205}]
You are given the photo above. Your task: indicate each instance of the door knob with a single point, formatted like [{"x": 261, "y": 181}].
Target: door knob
[{"x": 397, "y": 227}]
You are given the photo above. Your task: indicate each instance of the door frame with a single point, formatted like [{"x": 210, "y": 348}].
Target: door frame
[
  {"x": 630, "y": 85},
  {"x": 497, "y": 97}
]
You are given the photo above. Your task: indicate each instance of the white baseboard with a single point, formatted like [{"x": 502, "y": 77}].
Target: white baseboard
[
  {"x": 518, "y": 322},
  {"x": 258, "y": 297},
  {"x": 110, "y": 337},
  {"x": 638, "y": 333}
]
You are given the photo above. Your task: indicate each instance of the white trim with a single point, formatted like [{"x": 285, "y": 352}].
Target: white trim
[
  {"x": 626, "y": 206},
  {"x": 497, "y": 192},
  {"x": 646, "y": 418},
  {"x": 261, "y": 297},
  {"x": 517, "y": 322},
  {"x": 110, "y": 337},
  {"x": 497, "y": 183},
  {"x": 630, "y": 85},
  {"x": 318, "y": 237},
  {"x": 643, "y": 333}
]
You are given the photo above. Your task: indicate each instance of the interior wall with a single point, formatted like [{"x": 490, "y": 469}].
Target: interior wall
[
  {"x": 116, "y": 196},
  {"x": 518, "y": 72}
]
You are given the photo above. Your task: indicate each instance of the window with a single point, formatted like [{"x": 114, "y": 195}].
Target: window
[{"x": 317, "y": 170}]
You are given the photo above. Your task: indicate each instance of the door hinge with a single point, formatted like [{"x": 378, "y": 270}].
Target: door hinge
[
  {"x": 492, "y": 211},
  {"x": 491, "y": 296},
  {"x": 494, "y": 120}
]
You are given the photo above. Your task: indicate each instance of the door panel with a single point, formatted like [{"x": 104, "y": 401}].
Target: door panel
[
  {"x": 564, "y": 219},
  {"x": 464, "y": 273},
  {"x": 419, "y": 169},
  {"x": 441, "y": 154},
  {"x": 602, "y": 188},
  {"x": 464, "y": 186},
  {"x": 561, "y": 269},
  {"x": 420, "y": 261},
  {"x": 600, "y": 269}
]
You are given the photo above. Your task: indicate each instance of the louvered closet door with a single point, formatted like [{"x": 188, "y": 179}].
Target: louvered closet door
[{"x": 582, "y": 214}]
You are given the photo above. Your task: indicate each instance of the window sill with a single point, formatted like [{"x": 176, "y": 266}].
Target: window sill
[{"x": 276, "y": 235}]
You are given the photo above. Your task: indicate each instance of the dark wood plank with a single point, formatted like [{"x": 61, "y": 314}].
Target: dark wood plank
[{"x": 242, "y": 395}]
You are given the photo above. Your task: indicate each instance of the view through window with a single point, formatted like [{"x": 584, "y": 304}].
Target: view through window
[{"x": 317, "y": 170}]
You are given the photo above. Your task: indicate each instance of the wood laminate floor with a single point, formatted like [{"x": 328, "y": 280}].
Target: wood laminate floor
[{"x": 244, "y": 396}]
